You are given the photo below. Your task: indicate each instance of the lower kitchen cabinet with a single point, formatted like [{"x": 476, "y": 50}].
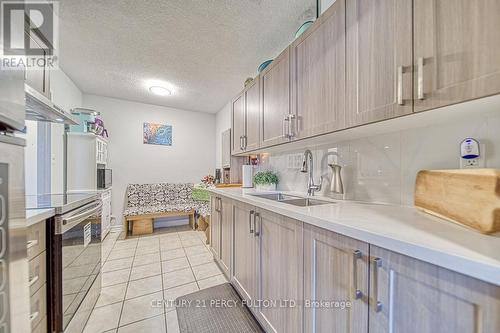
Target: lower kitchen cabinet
[
  {"x": 215, "y": 228},
  {"x": 335, "y": 270},
  {"x": 411, "y": 296},
  {"x": 221, "y": 221},
  {"x": 226, "y": 230},
  {"x": 341, "y": 284},
  {"x": 268, "y": 266},
  {"x": 244, "y": 264},
  {"x": 280, "y": 271}
]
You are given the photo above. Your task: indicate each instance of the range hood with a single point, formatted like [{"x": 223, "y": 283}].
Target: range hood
[{"x": 40, "y": 108}]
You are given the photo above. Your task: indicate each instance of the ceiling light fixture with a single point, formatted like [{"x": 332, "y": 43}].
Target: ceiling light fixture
[{"x": 160, "y": 91}]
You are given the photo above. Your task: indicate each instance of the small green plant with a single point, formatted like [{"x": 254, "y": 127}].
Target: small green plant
[{"x": 265, "y": 178}]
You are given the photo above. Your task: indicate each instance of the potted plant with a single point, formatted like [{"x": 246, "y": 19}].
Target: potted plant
[{"x": 265, "y": 181}]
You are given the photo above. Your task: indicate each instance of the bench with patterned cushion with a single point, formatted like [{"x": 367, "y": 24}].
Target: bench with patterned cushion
[{"x": 148, "y": 201}]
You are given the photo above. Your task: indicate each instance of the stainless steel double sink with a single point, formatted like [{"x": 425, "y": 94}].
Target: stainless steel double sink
[{"x": 292, "y": 200}]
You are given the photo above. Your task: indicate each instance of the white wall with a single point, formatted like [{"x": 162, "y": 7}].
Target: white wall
[
  {"x": 222, "y": 123},
  {"x": 191, "y": 156},
  {"x": 383, "y": 167}
]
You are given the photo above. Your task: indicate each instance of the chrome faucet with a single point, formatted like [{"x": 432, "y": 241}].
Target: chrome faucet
[{"x": 308, "y": 165}]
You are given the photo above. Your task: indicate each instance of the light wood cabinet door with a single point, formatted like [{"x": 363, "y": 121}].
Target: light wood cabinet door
[
  {"x": 238, "y": 124},
  {"x": 318, "y": 75},
  {"x": 379, "y": 60},
  {"x": 280, "y": 271},
  {"x": 457, "y": 51},
  {"x": 215, "y": 227},
  {"x": 275, "y": 81},
  {"x": 226, "y": 148},
  {"x": 226, "y": 226},
  {"x": 244, "y": 263},
  {"x": 417, "y": 297},
  {"x": 335, "y": 269},
  {"x": 252, "y": 105}
]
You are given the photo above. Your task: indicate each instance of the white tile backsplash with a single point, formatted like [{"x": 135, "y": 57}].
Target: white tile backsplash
[{"x": 383, "y": 168}]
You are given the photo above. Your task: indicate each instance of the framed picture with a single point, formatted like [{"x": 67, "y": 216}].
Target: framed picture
[{"x": 157, "y": 134}]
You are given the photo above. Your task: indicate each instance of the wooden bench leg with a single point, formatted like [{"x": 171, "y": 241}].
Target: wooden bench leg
[
  {"x": 191, "y": 221},
  {"x": 142, "y": 227},
  {"x": 124, "y": 232}
]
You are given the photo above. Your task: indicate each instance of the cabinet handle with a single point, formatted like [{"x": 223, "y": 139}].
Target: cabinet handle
[
  {"x": 355, "y": 256},
  {"x": 245, "y": 142},
  {"x": 420, "y": 78},
  {"x": 400, "y": 85},
  {"x": 286, "y": 129},
  {"x": 217, "y": 204},
  {"x": 377, "y": 263},
  {"x": 241, "y": 142},
  {"x": 252, "y": 212},
  {"x": 291, "y": 117},
  {"x": 220, "y": 204},
  {"x": 257, "y": 232},
  {"x": 33, "y": 280}
]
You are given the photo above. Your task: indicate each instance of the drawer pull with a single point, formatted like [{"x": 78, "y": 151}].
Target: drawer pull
[
  {"x": 252, "y": 212},
  {"x": 377, "y": 264},
  {"x": 356, "y": 255},
  {"x": 33, "y": 316},
  {"x": 420, "y": 79},
  {"x": 33, "y": 280},
  {"x": 257, "y": 231},
  {"x": 32, "y": 243},
  {"x": 400, "y": 85}
]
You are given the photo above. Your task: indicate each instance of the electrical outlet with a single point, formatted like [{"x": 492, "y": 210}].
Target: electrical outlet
[{"x": 475, "y": 163}]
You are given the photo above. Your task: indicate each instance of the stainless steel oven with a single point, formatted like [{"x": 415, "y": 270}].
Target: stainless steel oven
[{"x": 74, "y": 267}]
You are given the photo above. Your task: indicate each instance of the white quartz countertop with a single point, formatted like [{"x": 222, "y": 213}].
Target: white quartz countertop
[
  {"x": 34, "y": 216},
  {"x": 402, "y": 229}
]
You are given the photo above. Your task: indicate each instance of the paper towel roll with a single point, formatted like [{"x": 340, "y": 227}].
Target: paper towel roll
[{"x": 247, "y": 176}]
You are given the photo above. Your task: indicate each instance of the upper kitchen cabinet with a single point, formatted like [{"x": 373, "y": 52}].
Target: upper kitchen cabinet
[
  {"x": 246, "y": 113},
  {"x": 457, "y": 51},
  {"x": 318, "y": 75},
  {"x": 411, "y": 296},
  {"x": 379, "y": 60},
  {"x": 238, "y": 124},
  {"x": 277, "y": 121},
  {"x": 36, "y": 77},
  {"x": 252, "y": 108}
]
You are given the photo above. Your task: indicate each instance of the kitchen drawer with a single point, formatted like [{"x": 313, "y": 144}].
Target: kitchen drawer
[
  {"x": 38, "y": 272},
  {"x": 36, "y": 239},
  {"x": 38, "y": 306},
  {"x": 42, "y": 327}
]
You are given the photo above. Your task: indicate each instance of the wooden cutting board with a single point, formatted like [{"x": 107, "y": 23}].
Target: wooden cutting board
[
  {"x": 227, "y": 185},
  {"x": 469, "y": 197}
]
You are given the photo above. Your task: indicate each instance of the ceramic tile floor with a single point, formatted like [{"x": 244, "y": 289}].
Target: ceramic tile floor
[{"x": 139, "y": 272}]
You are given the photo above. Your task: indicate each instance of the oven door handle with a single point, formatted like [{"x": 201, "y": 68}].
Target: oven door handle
[{"x": 66, "y": 222}]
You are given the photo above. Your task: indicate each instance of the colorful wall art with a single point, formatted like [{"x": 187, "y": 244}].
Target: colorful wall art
[{"x": 157, "y": 134}]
